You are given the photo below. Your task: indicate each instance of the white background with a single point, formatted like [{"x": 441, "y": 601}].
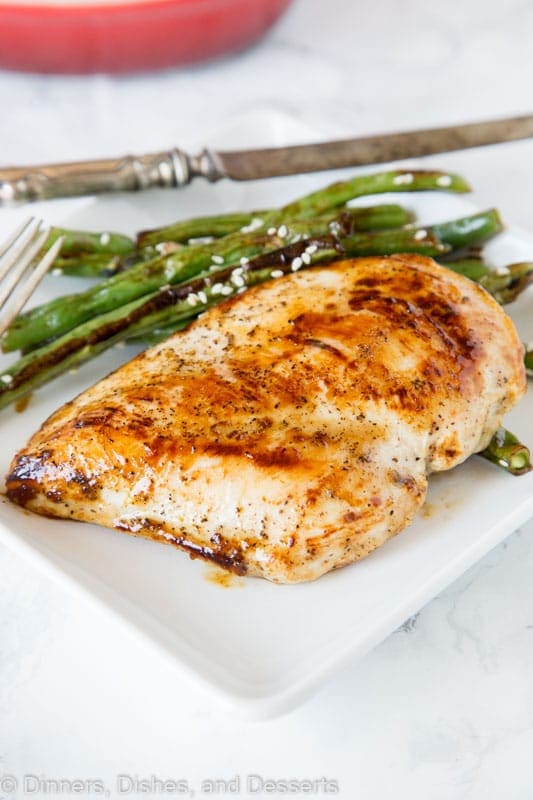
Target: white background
[{"x": 444, "y": 708}]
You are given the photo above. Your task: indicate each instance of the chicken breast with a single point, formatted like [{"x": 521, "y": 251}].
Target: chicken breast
[{"x": 292, "y": 429}]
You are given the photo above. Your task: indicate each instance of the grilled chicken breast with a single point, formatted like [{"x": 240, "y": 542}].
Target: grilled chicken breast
[{"x": 292, "y": 429}]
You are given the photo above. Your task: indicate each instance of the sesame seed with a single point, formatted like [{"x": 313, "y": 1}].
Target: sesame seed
[
  {"x": 200, "y": 240},
  {"x": 7, "y": 379},
  {"x": 444, "y": 181},
  {"x": 226, "y": 290},
  {"x": 202, "y": 297},
  {"x": 164, "y": 248},
  {"x": 311, "y": 249},
  {"x": 404, "y": 177},
  {"x": 296, "y": 263},
  {"x": 306, "y": 258},
  {"x": 105, "y": 238},
  {"x": 276, "y": 273},
  {"x": 244, "y": 261},
  {"x": 502, "y": 271},
  {"x": 217, "y": 288},
  {"x": 283, "y": 231},
  {"x": 253, "y": 226},
  {"x": 237, "y": 280},
  {"x": 421, "y": 234},
  {"x": 217, "y": 259},
  {"x": 237, "y": 271},
  {"x": 499, "y": 436},
  {"x": 271, "y": 231},
  {"x": 164, "y": 288},
  {"x": 192, "y": 299}
]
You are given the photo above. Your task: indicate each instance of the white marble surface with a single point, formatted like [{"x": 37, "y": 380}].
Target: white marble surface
[{"x": 443, "y": 709}]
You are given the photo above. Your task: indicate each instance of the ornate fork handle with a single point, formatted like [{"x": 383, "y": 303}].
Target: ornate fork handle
[{"x": 129, "y": 173}]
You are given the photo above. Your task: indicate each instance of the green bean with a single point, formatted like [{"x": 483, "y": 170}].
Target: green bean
[
  {"x": 508, "y": 452},
  {"x": 65, "y": 313},
  {"x": 338, "y": 194},
  {"x": 362, "y": 219},
  {"x": 75, "y": 242}
]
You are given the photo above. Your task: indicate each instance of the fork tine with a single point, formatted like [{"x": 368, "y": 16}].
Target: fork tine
[
  {"x": 15, "y": 235},
  {"x": 13, "y": 249},
  {"x": 40, "y": 271},
  {"x": 25, "y": 257},
  {"x": 35, "y": 278}
]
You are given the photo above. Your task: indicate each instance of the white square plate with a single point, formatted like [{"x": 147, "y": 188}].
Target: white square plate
[{"x": 262, "y": 647}]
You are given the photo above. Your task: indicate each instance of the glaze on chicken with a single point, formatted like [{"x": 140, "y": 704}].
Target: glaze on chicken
[{"x": 291, "y": 430}]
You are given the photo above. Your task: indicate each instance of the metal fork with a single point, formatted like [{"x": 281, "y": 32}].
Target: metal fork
[{"x": 19, "y": 277}]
